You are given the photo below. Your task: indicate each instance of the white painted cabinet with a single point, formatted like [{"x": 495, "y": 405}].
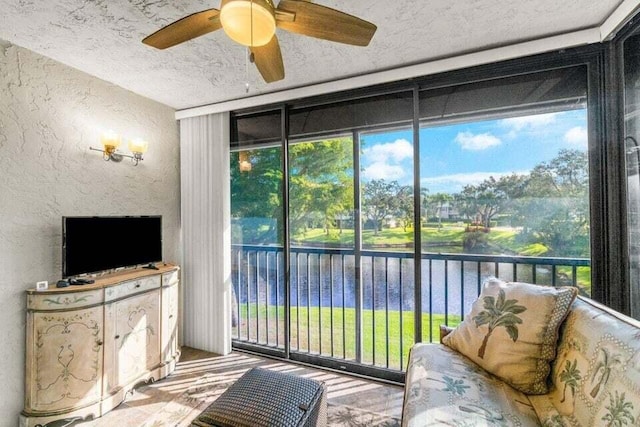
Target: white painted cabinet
[
  {"x": 65, "y": 367},
  {"x": 132, "y": 338},
  {"x": 88, "y": 346}
]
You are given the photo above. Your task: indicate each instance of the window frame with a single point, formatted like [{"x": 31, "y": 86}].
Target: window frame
[{"x": 607, "y": 188}]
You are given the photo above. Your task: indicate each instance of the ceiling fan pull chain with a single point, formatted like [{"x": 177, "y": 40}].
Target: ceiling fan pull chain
[
  {"x": 248, "y": 58},
  {"x": 246, "y": 66}
]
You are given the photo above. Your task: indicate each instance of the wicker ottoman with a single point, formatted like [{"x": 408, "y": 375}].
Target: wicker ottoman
[{"x": 263, "y": 398}]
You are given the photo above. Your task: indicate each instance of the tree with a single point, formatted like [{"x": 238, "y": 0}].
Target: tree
[
  {"x": 570, "y": 377},
  {"x": 492, "y": 196},
  {"x": 424, "y": 202},
  {"x": 258, "y": 194},
  {"x": 554, "y": 209},
  {"x": 380, "y": 200},
  {"x": 320, "y": 182},
  {"x": 500, "y": 312},
  {"x": 554, "y": 421},
  {"x": 619, "y": 411},
  {"x": 405, "y": 206},
  {"x": 603, "y": 368}
]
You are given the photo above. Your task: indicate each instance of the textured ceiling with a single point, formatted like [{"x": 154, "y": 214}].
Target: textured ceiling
[{"x": 102, "y": 38}]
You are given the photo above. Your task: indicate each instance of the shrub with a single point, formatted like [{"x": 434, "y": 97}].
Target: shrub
[{"x": 476, "y": 241}]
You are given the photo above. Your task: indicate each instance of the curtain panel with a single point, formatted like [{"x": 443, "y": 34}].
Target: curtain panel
[{"x": 206, "y": 232}]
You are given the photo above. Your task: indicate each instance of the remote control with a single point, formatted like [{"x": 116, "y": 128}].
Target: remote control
[
  {"x": 62, "y": 283},
  {"x": 82, "y": 281}
]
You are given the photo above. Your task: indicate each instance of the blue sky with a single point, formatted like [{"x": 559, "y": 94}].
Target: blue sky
[{"x": 456, "y": 155}]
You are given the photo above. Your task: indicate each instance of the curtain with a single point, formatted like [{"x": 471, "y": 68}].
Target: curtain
[{"x": 206, "y": 232}]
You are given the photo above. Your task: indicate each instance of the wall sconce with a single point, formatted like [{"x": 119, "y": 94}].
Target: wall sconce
[
  {"x": 243, "y": 161},
  {"x": 111, "y": 141}
]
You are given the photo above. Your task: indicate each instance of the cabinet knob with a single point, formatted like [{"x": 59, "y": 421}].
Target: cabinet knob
[
  {"x": 99, "y": 342},
  {"x": 117, "y": 336},
  {"x": 171, "y": 316},
  {"x": 137, "y": 285}
]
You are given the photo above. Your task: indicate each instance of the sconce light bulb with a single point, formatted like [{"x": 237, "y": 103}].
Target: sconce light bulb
[
  {"x": 110, "y": 141},
  {"x": 138, "y": 145}
]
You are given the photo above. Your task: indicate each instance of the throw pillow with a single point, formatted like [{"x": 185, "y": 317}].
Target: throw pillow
[
  {"x": 444, "y": 331},
  {"x": 512, "y": 331}
]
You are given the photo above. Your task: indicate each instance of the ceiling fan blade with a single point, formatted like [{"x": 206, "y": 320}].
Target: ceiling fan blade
[
  {"x": 325, "y": 23},
  {"x": 187, "y": 28},
  {"x": 268, "y": 60}
]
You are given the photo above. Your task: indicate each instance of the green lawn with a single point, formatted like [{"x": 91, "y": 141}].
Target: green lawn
[
  {"x": 389, "y": 236},
  {"x": 307, "y": 333},
  {"x": 448, "y": 238}
]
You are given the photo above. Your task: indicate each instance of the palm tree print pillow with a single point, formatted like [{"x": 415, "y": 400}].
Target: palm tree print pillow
[{"x": 512, "y": 331}]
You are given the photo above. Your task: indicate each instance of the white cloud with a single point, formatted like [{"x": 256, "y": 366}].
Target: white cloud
[
  {"x": 482, "y": 141},
  {"x": 383, "y": 170},
  {"x": 577, "y": 136},
  {"x": 529, "y": 122},
  {"x": 395, "y": 152},
  {"x": 385, "y": 160}
]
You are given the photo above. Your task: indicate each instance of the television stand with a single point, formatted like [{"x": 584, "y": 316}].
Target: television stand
[{"x": 88, "y": 346}]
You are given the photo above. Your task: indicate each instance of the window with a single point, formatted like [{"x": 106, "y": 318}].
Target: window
[{"x": 400, "y": 205}]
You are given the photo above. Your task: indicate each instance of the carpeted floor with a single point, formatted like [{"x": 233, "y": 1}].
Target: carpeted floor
[{"x": 201, "y": 377}]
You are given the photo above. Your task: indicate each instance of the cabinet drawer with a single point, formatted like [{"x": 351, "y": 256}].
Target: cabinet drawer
[
  {"x": 132, "y": 287},
  {"x": 64, "y": 301},
  {"x": 169, "y": 279}
]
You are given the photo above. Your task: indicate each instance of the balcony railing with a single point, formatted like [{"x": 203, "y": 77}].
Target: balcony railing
[{"x": 324, "y": 296}]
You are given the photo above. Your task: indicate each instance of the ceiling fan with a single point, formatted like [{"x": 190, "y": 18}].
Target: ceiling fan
[{"x": 253, "y": 23}]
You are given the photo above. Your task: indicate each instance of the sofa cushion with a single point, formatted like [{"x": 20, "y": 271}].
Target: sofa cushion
[
  {"x": 595, "y": 380},
  {"x": 443, "y": 387},
  {"x": 512, "y": 331}
]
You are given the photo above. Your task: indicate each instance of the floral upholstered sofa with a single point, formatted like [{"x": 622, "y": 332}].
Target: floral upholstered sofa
[{"x": 592, "y": 377}]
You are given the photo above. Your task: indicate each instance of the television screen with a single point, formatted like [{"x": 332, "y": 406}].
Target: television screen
[{"x": 95, "y": 244}]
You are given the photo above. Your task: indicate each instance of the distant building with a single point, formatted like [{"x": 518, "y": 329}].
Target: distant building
[{"x": 448, "y": 211}]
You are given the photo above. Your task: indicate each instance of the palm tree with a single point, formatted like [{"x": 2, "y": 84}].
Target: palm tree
[
  {"x": 500, "y": 312},
  {"x": 452, "y": 385},
  {"x": 554, "y": 421},
  {"x": 619, "y": 411},
  {"x": 439, "y": 201},
  {"x": 455, "y": 386},
  {"x": 570, "y": 376},
  {"x": 605, "y": 365}
]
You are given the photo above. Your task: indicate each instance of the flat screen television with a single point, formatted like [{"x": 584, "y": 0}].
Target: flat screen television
[{"x": 99, "y": 243}]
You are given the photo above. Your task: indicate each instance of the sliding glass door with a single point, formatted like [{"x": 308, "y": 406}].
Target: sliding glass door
[
  {"x": 257, "y": 233},
  {"x": 322, "y": 263}
]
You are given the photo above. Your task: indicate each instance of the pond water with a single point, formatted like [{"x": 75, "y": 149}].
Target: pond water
[{"x": 388, "y": 281}]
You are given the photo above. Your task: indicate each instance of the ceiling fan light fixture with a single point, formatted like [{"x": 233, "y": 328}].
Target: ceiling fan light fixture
[{"x": 248, "y": 22}]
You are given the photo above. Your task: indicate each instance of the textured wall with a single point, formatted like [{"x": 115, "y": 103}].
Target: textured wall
[{"x": 49, "y": 116}]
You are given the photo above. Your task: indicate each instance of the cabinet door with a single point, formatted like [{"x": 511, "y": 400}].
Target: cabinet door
[
  {"x": 66, "y": 367},
  {"x": 132, "y": 338},
  {"x": 169, "y": 322}
]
